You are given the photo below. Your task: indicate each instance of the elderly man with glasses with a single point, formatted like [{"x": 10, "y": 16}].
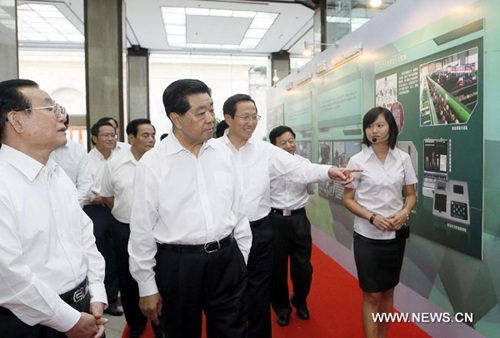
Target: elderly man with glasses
[{"x": 51, "y": 274}]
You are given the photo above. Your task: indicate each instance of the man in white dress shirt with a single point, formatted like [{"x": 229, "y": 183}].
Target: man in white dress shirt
[
  {"x": 256, "y": 163},
  {"x": 292, "y": 235},
  {"x": 51, "y": 274},
  {"x": 189, "y": 239},
  {"x": 73, "y": 158},
  {"x": 116, "y": 191},
  {"x": 119, "y": 146},
  {"x": 104, "y": 141}
]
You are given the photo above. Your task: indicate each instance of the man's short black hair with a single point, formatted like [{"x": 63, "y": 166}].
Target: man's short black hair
[
  {"x": 221, "y": 127},
  {"x": 133, "y": 126},
  {"x": 95, "y": 128},
  {"x": 107, "y": 118},
  {"x": 371, "y": 116},
  {"x": 278, "y": 131},
  {"x": 229, "y": 107},
  {"x": 12, "y": 99},
  {"x": 163, "y": 136},
  {"x": 175, "y": 95}
]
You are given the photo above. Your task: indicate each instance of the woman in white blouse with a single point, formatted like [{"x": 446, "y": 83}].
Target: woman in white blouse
[{"x": 375, "y": 198}]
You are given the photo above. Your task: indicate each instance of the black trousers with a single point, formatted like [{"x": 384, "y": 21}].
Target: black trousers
[
  {"x": 103, "y": 220},
  {"x": 292, "y": 239},
  {"x": 190, "y": 283},
  {"x": 128, "y": 286},
  {"x": 260, "y": 267},
  {"x": 13, "y": 327}
]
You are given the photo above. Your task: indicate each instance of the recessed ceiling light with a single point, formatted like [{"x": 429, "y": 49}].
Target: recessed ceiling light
[
  {"x": 176, "y": 16},
  {"x": 45, "y": 23}
]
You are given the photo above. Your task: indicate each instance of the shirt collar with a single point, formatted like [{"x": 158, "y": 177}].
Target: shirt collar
[
  {"x": 174, "y": 146},
  {"x": 224, "y": 139},
  {"x": 27, "y": 165},
  {"x": 368, "y": 153}
]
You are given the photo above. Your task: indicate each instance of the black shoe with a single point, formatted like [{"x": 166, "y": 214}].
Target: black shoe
[
  {"x": 302, "y": 310},
  {"x": 113, "y": 312},
  {"x": 283, "y": 319}
]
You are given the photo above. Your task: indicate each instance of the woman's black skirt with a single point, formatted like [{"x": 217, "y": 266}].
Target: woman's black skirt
[{"x": 378, "y": 262}]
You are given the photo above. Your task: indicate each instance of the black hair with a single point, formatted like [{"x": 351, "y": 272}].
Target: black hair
[
  {"x": 66, "y": 123},
  {"x": 229, "y": 107},
  {"x": 221, "y": 127},
  {"x": 175, "y": 95},
  {"x": 107, "y": 118},
  {"x": 95, "y": 128},
  {"x": 278, "y": 131},
  {"x": 12, "y": 99},
  {"x": 370, "y": 118},
  {"x": 163, "y": 136},
  {"x": 133, "y": 126}
]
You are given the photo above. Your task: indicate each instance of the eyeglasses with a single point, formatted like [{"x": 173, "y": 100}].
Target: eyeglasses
[
  {"x": 249, "y": 117},
  {"x": 108, "y": 135},
  {"x": 58, "y": 110}
]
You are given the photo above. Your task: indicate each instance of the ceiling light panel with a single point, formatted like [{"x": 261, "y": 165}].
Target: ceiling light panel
[
  {"x": 176, "y": 16},
  {"x": 45, "y": 23}
]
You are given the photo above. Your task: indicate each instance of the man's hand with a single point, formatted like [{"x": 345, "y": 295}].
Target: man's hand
[
  {"x": 151, "y": 307},
  {"x": 97, "y": 199},
  {"x": 86, "y": 327},
  {"x": 97, "y": 309},
  {"x": 343, "y": 175}
]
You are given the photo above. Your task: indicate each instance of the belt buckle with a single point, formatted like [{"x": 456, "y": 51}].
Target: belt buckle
[
  {"x": 287, "y": 212},
  {"x": 79, "y": 295},
  {"x": 207, "y": 248}
]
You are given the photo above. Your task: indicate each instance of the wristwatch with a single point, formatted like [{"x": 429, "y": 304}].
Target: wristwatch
[{"x": 372, "y": 218}]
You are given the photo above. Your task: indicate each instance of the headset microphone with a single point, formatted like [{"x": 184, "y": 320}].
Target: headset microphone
[{"x": 374, "y": 140}]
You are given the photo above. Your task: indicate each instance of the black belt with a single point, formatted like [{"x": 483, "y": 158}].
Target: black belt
[
  {"x": 288, "y": 212},
  {"x": 208, "y": 248},
  {"x": 77, "y": 294},
  {"x": 258, "y": 222}
]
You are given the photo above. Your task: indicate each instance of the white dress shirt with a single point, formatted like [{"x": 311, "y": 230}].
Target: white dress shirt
[
  {"x": 257, "y": 162},
  {"x": 73, "y": 158},
  {"x": 379, "y": 187},
  {"x": 47, "y": 246},
  {"x": 118, "y": 182},
  {"x": 98, "y": 163},
  {"x": 183, "y": 199},
  {"x": 288, "y": 195}
]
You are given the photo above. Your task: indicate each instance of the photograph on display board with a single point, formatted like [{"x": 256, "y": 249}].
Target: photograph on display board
[
  {"x": 304, "y": 149},
  {"x": 448, "y": 89},
  {"x": 342, "y": 152},
  {"x": 326, "y": 189},
  {"x": 386, "y": 91}
]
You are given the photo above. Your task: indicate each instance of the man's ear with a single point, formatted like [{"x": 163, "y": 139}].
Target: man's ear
[
  {"x": 229, "y": 119},
  {"x": 94, "y": 138},
  {"x": 176, "y": 120},
  {"x": 15, "y": 121},
  {"x": 131, "y": 139}
]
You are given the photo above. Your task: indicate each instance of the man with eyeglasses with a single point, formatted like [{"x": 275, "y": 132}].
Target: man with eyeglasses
[
  {"x": 104, "y": 141},
  {"x": 116, "y": 191},
  {"x": 257, "y": 162},
  {"x": 50, "y": 270},
  {"x": 119, "y": 146},
  {"x": 73, "y": 158}
]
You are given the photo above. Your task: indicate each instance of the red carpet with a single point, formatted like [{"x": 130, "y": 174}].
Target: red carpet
[{"x": 334, "y": 304}]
